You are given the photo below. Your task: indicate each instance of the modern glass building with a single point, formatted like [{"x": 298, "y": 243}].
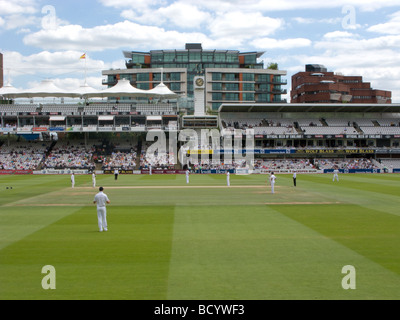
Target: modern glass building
[{"x": 230, "y": 75}]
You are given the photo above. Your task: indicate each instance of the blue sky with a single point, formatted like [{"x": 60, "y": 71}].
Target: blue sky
[{"x": 44, "y": 39}]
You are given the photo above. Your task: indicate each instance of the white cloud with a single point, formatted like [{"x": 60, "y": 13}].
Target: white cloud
[
  {"x": 290, "y": 5},
  {"x": 17, "y": 21},
  {"x": 111, "y": 36},
  {"x": 11, "y": 7},
  {"x": 50, "y": 63},
  {"x": 390, "y": 27},
  {"x": 180, "y": 15},
  {"x": 338, "y": 34},
  {"x": 269, "y": 43},
  {"x": 243, "y": 25}
]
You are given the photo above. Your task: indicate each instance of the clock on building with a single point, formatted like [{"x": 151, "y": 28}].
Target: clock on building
[{"x": 199, "y": 82}]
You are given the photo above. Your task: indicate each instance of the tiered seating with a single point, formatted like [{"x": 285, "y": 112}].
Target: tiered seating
[
  {"x": 155, "y": 109},
  {"x": 73, "y": 155},
  {"x": 65, "y": 109},
  {"x": 94, "y": 109},
  {"x": 381, "y": 130},
  {"x": 22, "y": 155},
  {"x": 14, "y": 109}
]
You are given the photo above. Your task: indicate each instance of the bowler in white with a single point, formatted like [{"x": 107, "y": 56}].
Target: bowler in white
[{"x": 101, "y": 200}]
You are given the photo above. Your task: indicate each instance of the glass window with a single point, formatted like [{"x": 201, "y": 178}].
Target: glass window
[
  {"x": 182, "y": 57},
  {"x": 217, "y": 86},
  {"x": 138, "y": 58},
  {"x": 157, "y": 57},
  {"x": 248, "y": 76},
  {"x": 248, "y": 96},
  {"x": 208, "y": 57},
  {"x": 175, "y": 86},
  {"x": 169, "y": 57},
  {"x": 143, "y": 77},
  {"x": 143, "y": 86},
  {"x": 217, "y": 96},
  {"x": 217, "y": 76},
  {"x": 126, "y": 76},
  {"x": 232, "y": 87},
  {"x": 264, "y": 87},
  {"x": 175, "y": 76},
  {"x": 194, "y": 56},
  {"x": 230, "y": 77},
  {"x": 232, "y": 58},
  {"x": 263, "y": 78},
  {"x": 250, "y": 59},
  {"x": 232, "y": 96},
  {"x": 220, "y": 57},
  {"x": 248, "y": 86}
]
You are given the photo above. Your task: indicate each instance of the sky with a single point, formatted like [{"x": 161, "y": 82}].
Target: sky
[{"x": 43, "y": 39}]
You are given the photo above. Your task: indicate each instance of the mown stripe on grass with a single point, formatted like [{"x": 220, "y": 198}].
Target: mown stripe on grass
[
  {"x": 130, "y": 261},
  {"x": 372, "y": 233}
]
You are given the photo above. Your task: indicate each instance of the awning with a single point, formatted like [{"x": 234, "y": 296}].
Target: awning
[
  {"x": 154, "y": 118},
  {"x": 57, "y": 118},
  {"x": 106, "y": 118}
]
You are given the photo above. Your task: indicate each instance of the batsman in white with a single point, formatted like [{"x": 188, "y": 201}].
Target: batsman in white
[
  {"x": 187, "y": 176},
  {"x": 101, "y": 200}
]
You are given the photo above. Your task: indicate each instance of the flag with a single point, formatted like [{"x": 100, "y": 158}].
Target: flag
[{"x": 83, "y": 56}]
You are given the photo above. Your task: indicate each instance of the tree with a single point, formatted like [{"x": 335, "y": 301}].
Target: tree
[{"x": 272, "y": 66}]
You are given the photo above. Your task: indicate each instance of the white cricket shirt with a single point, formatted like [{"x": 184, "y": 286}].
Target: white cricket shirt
[{"x": 101, "y": 199}]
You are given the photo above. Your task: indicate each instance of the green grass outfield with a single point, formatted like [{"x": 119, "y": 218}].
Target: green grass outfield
[{"x": 202, "y": 241}]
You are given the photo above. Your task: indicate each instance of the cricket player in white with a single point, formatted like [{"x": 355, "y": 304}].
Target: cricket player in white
[
  {"x": 94, "y": 180},
  {"x": 294, "y": 178},
  {"x": 101, "y": 200},
  {"x": 187, "y": 176},
  {"x": 73, "y": 180},
  {"x": 228, "y": 182},
  {"x": 335, "y": 175},
  {"x": 272, "y": 179}
]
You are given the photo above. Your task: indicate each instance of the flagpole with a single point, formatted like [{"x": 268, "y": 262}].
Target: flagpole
[{"x": 85, "y": 69}]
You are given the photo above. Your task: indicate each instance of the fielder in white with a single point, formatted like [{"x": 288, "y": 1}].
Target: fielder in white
[
  {"x": 335, "y": 175},
  {"x": 187, "y": 176},
  {"x": 272, "y": 179},
  {"x": 94, "y": 180},
  {"x": 228, "y": 182},
  {"x": 101, "y": 200},
  {"x": 72, "y": 180}
]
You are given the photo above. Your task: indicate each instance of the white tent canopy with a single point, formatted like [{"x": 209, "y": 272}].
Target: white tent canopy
[
  {"x": 85, "y": 89},
  {"x": 46, "y": 88},
  {"x": 162, "y": 91},
  {"x": 8, "y": 91},
  {"x": 122, "y": 89}
]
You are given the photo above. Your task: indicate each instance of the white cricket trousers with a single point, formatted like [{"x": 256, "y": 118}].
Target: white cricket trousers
[
  {"x": 272, "y": 187},
  {"x": 102, "y": 218}
]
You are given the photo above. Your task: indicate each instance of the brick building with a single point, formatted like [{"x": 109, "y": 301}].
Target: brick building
[{"x": 317, "y": 85}]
